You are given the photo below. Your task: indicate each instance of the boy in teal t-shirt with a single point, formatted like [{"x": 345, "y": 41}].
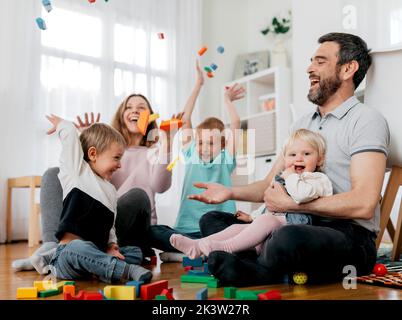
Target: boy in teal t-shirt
[{"x": 209, "y": 156}]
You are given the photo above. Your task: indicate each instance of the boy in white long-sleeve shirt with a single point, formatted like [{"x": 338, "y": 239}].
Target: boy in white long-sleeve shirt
[
  {"x": 304, "y": 155},
  {"x": 86, "y": 231}
]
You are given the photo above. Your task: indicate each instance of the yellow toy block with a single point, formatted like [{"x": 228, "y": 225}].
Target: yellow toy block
[
  {"x": 43, "y": 285},
  {"x": 120, "y": 292},
  {"x": 27, "y": 293},
  {"x": 153, "y": 117},
  {"x": 172, "y": 164}
]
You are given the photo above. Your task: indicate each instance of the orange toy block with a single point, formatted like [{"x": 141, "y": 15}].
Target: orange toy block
[
  {"x": 143, "y": 121},
  {"x": 167, "y": 125},
  {"x": 202, "y": 51},
  {"x": 210, "y": 75},
  {"x": 79, "y": 296},
  {"x": 149, "y": 291},
  {"x": 69, "y": 289}
]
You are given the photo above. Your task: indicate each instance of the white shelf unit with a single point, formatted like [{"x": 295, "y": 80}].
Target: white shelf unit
[{"x": 270, "y": 126}]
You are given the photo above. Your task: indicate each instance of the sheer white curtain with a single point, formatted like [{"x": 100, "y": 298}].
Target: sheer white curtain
[{"x": 90, "y": 57}]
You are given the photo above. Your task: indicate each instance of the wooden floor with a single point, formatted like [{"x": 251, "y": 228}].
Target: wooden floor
[{"x": 11, "y": 280}]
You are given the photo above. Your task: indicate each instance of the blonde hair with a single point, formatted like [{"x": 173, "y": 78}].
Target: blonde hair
[
  {"x": 119, "y": 124},
  {"x": 100, "y": 136},
  {"x": 314, "y": 139}
]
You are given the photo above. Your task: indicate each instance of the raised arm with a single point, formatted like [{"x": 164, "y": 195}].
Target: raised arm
[
  {"x": 233, "y": 93},
  {"x": 189, "y": 106},
  {"x": 366, "y": 174}
]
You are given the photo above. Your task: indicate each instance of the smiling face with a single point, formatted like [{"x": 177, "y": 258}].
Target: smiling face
[
  {"x": 324, "y": 73},
  {"x": 134, "y": 106},
  {"x": 208, "y": 144},
  {"x": 302, "y": 156},
  {"x": 104, "y": 164}
]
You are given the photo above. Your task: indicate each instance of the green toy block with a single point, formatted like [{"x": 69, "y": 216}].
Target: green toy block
[
  {"x": 207, "y": 69},
  {"x": 195, "y": 279},
  {"x": 160, "y": 297},
  {"x": 229, "y": 292},
  {"x": 246, "y": 295},
  {"x": 213, "y": 283},
  {"x": 48, "y": 293}
]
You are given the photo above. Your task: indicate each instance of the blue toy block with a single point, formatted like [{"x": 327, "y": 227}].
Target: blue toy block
[
  {"x": 202, "y": 294},
  {"x": 137, "y": 285},
  {"x": 214, "y": 66},
  {"x": 206, "y": 270},
  {"x": 47, "y": 5},
  {"x": 41, "y": 23},
  {"x": 198, "y": 273},
  {"x": 220, "y": 49},
  {"x": 192, "y": 262}
]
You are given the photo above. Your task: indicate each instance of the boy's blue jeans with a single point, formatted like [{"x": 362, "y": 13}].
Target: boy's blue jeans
[{"x": 80, "y": 259}]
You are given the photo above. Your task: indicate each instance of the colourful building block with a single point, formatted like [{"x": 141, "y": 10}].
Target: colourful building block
[
  {"x": 213, "y": 283},
  {"x": 27, "y": 293},
  {"x": 167, "y": 125},
  {"x": 202, "y": 50},
  {"x": 229, "y": 292},
  {"x": 207, "y": 69},
  {"x": 153, "y": 117},
  {"x": 91, "y": 1},
  {"x": 137, "y": 285},
  {"x": 47, "y": 5},
  {"x": 69, "y": 296},
  {"x": 210, "y": 75},
  {"x": 220, "y": 49},
  {"x": 270, "y": 295},
  {"x": 41, "y": 23},
  {"x": 69, "y": 289},
  {"x": 196, "y": 279},
  {"x": 120, "y": 292},
  {"x": 246, "y": 295},
  {"x": 188, "y": 268},
  {"x": 44, "y": 285},
  {"x": 92, "y": 295},
  {"x": 171, "y": 165},
  {"x": 160, "y": 297},
  {"x": 48, "y": 293},
  {"x": 149, "y": 291},
  {"x": 143, "y": 121},
  {"x": 168, "y": 293},
  {"x": 192, "y": 262},
  {"x": 214, "y": 66},
  {"x": 202, "y": 294}
]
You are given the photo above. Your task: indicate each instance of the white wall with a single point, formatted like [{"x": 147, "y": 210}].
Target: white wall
[{"x": 235, "y": 24}]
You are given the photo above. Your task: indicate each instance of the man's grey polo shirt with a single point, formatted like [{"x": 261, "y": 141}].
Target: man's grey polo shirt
[{"x": 350, "y": 128}]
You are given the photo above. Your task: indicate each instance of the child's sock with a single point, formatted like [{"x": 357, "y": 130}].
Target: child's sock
[
  {"x": 186, "y": 245},
  {"x": 206, "y": 246},
  {"x": 26, "y": 264},
  {"x": 41, "y": 261},
  {"x": 139, "y": 273}
]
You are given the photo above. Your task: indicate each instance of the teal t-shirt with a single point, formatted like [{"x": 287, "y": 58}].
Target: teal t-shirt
[{"x": 217, "y": 171}]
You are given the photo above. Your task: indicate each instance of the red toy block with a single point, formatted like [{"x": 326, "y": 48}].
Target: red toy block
[
  {"x": 92, "y": 295},
  {"x": 142, "y": 122},
  {"x": 149, "y": 291},
  {"x": 79, "y": 296},
  {"x": 167, "y": 293},
  {"x": 169, "y": 124},
  {"x": 210, "y": 75},
  {"x": 188, "y": 268},
  {"x": 91, "y": 1},
  {"x": 202, "y": 51},
  {"x": 270, "y": 295}
]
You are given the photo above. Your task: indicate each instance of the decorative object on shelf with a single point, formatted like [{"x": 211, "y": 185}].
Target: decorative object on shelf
[
  {"x": 250, "y": 63},
  {"x": 268, "y": 105},
  {"x": 279, "y": 27}
]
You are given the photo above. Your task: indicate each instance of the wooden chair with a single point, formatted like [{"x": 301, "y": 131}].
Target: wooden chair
[
  {"x": 382, "y": 92},
  {"x": 31, "y": 182}
]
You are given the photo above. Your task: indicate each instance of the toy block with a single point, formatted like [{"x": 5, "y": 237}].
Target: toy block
[
  {"x": 69, "y": 289},
  {"x": 171, "y": 165},
  {"x": 229, "y": 292},
  {"x": 69, "y": 296},
  {"x": 27, "y": 293},
  {"x": 47, "y": 5},
  {"x": 246, "y": 295},
  {"x": 202, "y": 50},
  {"x": 195, "y": 279},
  {"x": 213, "y": 283},
  {"x": 198, "y": 273},
  {"x": 167, "y": 293},
  {"x": 214, "y": 66},
  {"x": 188, "y": 268},
  {"x": 207, "y": 69},
  {"x": 91, "y": 1},
  {"x": 120, "y": 292},
  {"x": 220, "y": 49},
  {"x": 153, "y": 117},
  {"x": 210, "y": 75},
  {"x": 161, "y": 35},
  {"x": 270, "y": 295},
  {"x": 167, "y": 125},
  {"x": 149, "y": 291},
  {"x": 137, "y": 285},
  {"x": 143, "y": 121},
  {"x": 41, "y": 23},
  {"x": 92, "y": 295},
  {"x": 160, "y": 297},
  {"x": 192, "y": 262},
  {"x": 206, "y": 270},
  {"x": 202, "y": 294},
  {"x": 48, "y": 293},
  {"x": 44, "y": 285}
]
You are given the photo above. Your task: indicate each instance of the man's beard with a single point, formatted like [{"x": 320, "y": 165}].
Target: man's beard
[{"x": 326, "y": 88}]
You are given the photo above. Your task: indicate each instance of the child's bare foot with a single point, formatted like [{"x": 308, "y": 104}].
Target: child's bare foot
[{"x": 186, "y": 245}]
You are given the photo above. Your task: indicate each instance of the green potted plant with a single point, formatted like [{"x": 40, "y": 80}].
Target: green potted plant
[{"x": 279, "y": 25}]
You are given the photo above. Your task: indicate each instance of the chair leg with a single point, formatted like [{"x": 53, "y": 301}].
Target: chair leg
[
  {"x": 37, "y": 224},
  {"x": 32, "y": 215},
  {"x": 397, "y": 246}
]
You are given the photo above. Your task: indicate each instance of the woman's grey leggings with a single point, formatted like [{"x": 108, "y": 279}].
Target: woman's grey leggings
[{"x": 132, "y": 220}]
